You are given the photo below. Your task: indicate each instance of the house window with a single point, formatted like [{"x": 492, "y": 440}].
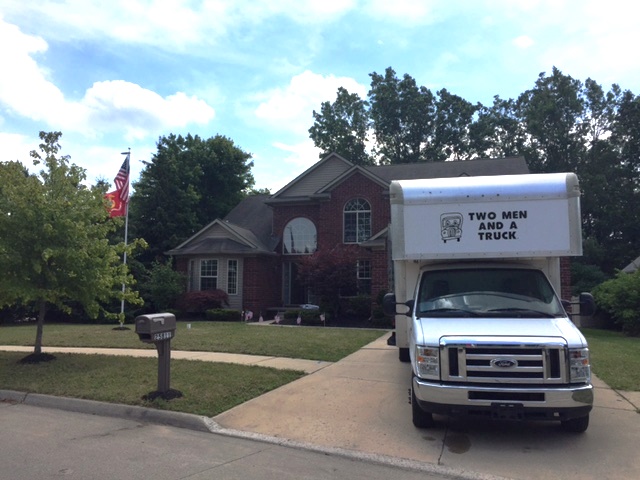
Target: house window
[
  {"x": 364, "y": 277},
  {"x": 232, "y": 277},
  {"x": 208, "y": 274},
  {"x": 299, "y": 237},
  {"x": 357, "y": 221}
]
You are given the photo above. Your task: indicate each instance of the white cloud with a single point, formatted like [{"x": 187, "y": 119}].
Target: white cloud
[
  {"x": 107, "y": 106},
  {"x": 408, "y": 11},
  {"x": 277, "y": 172},
  {"x": 16, "y": 147},
  {"x": 290, "y": 108},
  {"x": 173, "y": 25},
  {"x": 24, "y": 87},
  {"x": 114, "y": 104},
  {"x": 523, "y": 41}
]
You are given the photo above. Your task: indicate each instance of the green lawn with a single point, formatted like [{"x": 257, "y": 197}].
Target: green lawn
[
  {"x": 313, "y": 343},
  {"x": 615, "y": 358},
  {"x": 208, "y": 388}
]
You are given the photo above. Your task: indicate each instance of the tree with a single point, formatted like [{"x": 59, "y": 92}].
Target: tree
[
  {"x": 498, "y": 131},
  {"x": 554, "y": 113},
  {"x": 53, "y": 239},
  {"x": 453, "y": 122},
  {"x": 403, "y": 116},
  {"x": 625, "y": 139},
  {"x": 188, "y": 183},
  {"x": 330, "y": 272},
  {"x": 165, "y": 285},
  {"x": 341, "y": 127}
]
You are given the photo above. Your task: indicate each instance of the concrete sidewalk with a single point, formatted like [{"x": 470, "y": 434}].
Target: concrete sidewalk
[{"x": 359, "y": 406}]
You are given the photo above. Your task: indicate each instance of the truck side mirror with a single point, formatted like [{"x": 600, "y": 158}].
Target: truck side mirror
[
  {"x": 587, "y": 304},
  {"x": 389, "y": 305}
]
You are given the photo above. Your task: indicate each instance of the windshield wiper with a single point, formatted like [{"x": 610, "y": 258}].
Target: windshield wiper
[{"x": 524, "y": 312}]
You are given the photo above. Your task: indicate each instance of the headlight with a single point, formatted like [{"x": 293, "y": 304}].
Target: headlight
[
  {"x": 428, "y": 362},
  {"x": 579, "y": 365}
]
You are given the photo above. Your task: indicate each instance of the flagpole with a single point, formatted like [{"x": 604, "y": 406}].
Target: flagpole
[{"x": 126, "y": 237}]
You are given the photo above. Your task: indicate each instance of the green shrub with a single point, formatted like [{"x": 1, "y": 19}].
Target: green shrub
[
  {"x": 223, "y": 315},
  {"x": 585, "y": 277},
  {"x": 359, "y": 306},
  {"x": 199, "y": 302},
  {"x": 379, "y": 319},
  {"x": 620, "y": 297}
]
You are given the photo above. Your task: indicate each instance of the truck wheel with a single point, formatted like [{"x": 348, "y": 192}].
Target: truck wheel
[
  {"x": 575, "y": 425},
  {"x": 421, "y": 419},
  {"x": 403, "y": 355}
]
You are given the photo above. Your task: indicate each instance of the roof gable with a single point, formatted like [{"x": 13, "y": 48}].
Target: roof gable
[
  {"x": 315, "y": 178},
  {"x": 221, "y": 237},
  {"x": 349, "y": 173}
]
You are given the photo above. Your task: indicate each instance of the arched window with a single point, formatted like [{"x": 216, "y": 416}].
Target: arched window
[
  {"x": 299, "y": 237},
  {"x": 357, "y": 221}
]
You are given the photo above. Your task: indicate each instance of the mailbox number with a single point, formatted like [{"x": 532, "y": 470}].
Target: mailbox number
[{"x": 162, "y": 336}]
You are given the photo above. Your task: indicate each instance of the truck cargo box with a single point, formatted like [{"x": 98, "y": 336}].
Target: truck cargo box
[{"x": 507, "y": 216}]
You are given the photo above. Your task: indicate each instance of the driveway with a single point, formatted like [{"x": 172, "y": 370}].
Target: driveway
[{"x": 361, "y": 404}]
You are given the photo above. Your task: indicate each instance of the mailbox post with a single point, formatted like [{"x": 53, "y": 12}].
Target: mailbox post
[{"x": 159, "y": 329}]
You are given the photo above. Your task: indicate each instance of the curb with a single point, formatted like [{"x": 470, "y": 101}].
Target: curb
[
  {"x": 93, "y": 407},
  {"x": 207, "y": 425}
]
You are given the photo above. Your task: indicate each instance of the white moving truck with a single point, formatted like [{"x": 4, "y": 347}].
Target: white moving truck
[{"x": 477, "y": 274}]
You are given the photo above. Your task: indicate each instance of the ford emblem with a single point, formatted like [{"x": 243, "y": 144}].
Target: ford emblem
[{"x": 504, "y": 362}]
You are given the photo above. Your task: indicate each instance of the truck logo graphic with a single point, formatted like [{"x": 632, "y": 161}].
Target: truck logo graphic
[
  {"x": 450, "y": 226},
  {"x": 504, "y": 362}
]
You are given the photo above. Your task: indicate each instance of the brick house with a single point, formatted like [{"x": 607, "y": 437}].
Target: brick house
[{"x": 251, "y": 253}]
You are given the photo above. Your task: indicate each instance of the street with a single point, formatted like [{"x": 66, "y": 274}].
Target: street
[{"x": 40, "y": 443}]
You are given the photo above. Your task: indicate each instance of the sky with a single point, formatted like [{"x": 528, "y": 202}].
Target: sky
[{"x": 119, "y": 75}]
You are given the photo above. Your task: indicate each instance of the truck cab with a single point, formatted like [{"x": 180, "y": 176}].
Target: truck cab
[{"x": 479, "y": 318}]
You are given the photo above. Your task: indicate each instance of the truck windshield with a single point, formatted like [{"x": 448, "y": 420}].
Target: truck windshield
[{"x": 487, "y": 292}]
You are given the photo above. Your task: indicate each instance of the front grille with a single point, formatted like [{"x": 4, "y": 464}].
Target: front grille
[{"x": 508, "y": 362}]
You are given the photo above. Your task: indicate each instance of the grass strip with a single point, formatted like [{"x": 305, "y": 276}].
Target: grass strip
[
  {"x": 615, "y": 358},
  {"x": 208, "y": 388}
]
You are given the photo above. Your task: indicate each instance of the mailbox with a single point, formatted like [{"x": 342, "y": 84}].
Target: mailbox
[
  {"x": 156, "y": 327},
  {"x": 159, "y": 328}
]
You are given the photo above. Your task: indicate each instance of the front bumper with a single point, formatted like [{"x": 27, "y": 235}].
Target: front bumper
[{"x": 540, "y": 403}]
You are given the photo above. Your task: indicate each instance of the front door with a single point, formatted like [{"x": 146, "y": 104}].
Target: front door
[{"x": 293, "y": 293}]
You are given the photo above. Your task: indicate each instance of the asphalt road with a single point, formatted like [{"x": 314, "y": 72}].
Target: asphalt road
[{"x": 39, "y": 443}]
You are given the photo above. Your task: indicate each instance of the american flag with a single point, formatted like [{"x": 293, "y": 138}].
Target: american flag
[{"x": 122, "y": 180}]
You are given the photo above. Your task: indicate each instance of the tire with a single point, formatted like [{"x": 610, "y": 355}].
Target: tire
[
  {"x": 421, "y": 419},
  {"x": 575, "y": 425},
  {"x": 403, "y": 355}
]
